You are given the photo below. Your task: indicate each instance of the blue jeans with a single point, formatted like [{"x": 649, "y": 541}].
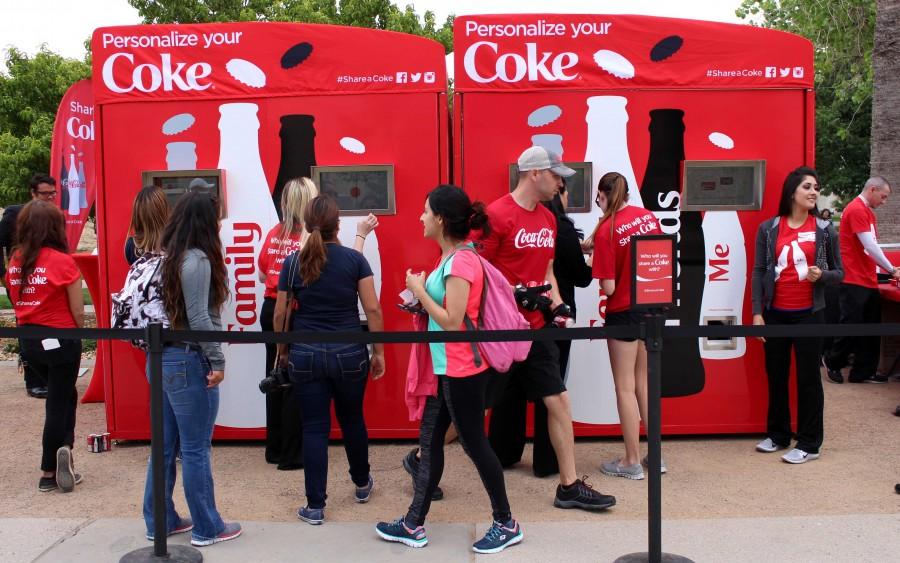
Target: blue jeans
[
  {"x": 322, "y": 373},
  {"x": 189, "y": 412}
]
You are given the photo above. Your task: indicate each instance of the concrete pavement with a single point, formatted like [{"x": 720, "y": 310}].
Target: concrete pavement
[{"x": 852, "y": 538}]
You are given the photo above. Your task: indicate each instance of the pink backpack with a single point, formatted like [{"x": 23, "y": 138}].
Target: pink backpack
[{"x": 498, "y": 311}]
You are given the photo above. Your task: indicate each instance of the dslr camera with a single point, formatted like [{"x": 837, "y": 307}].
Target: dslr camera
[{"x": 277, "y": 379}]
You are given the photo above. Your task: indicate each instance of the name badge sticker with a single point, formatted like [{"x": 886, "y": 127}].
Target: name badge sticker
[{"x": 808, "y": 236}]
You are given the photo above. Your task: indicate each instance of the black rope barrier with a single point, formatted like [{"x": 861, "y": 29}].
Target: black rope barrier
[{"x": 405, "y": 337}]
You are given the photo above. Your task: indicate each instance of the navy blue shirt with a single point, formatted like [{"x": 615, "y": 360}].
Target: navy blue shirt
[{"x": 330, "y": 302}]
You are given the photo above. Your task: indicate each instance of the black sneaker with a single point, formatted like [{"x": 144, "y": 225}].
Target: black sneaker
[
  {"x": 581, "y": 495},
  {"x": 834, "y": 375},
  {"x": 411, "y": 465},
  {"x": 47, "y": 484},
  {"x": 874, "y": 378},
  {"x": 37, "y": 392}
]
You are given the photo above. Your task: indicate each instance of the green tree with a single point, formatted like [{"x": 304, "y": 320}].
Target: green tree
[
  {"x": 29, "y": 97},
  {"x": 842, "y": 32},
  {"x": 375, "y": 14}
]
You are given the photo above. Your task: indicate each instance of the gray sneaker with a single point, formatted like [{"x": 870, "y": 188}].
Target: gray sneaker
[
  {"x": 613, "y": 469},
  {"x": 798, "y": 456},
  {"x": 662, "y": 464},
  {"x": 768, "y": 446}
]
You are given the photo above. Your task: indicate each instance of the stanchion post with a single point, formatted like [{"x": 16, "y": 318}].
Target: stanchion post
[
  {"x": 160, "y": 550},
  {"x": 653, "y": 340},
  {"x": 154, "y": 339}
]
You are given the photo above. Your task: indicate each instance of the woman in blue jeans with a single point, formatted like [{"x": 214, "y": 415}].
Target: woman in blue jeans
[
  {"x": 194, "y": 287},
  {"x": 326, "y": 280}
]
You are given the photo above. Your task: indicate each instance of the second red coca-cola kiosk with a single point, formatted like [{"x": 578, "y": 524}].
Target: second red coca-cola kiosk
[
  {"x": 247, "y": 107},
  {"x": 704, "y": 119}
]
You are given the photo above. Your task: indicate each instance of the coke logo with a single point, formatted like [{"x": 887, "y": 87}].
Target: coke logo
[
  {"x": 148, "y": 77},
  {"x": 78, "y": 130},
  {"x": 513, "y": 67},
  {"x": 540, "y": 239}
]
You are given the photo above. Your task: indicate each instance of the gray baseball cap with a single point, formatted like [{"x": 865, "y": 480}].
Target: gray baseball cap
[
  {"x": 539, "y": 158},
  {"x": 200, "y": 184}
]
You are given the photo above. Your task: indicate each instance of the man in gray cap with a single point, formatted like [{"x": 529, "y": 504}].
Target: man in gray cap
[
  {"x": 521, "y": 244},
  {"x": 200, "y": 185}
]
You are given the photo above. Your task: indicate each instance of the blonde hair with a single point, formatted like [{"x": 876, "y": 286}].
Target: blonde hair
[
  {"x": 297, "y": 194},
  {"x": 615, "y": 187},
  {"x": 149, "y": 215}
]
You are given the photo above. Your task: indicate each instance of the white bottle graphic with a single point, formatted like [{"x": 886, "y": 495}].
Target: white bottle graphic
[
  {"x": 181, "y": 156},
  {"x": 607, "y": 142},
  {"x": 347, "y": 236},
  {"x": 249, "y": 214},
  {"x": 73, "y": 185},
  {"x": 82, "y": 192},
  {"x": 725, "y": 282},
  {"x": 591, "y": 389}
]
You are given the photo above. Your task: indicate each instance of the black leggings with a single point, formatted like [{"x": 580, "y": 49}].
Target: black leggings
[{"x": 460, "y": 400}]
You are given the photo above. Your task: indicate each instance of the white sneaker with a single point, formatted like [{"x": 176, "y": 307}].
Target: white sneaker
[
  {"x": 798, "y": 456},
  {"x": 768, "y": 446}
]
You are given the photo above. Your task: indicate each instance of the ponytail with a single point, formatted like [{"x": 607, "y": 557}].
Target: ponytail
[
  {"x": 321, "y": 220},
  {"x": 615, "y": 186}
]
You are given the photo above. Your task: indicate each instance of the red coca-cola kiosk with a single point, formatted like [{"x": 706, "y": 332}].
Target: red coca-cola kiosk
[
  {"x": 246, "y": 107},
  {"x": 704, "y": 119}
]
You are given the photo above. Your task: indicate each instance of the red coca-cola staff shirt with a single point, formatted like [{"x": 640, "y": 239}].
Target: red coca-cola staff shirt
[
  {"x": 859, "y": 268},
  {"x": 521, "y": 245},
  {"x": 43, "y": 301},
  {"x": 795, "y": 252},
  {"x": 271, "y": 257},
  {"x": 612, "y": 252}
]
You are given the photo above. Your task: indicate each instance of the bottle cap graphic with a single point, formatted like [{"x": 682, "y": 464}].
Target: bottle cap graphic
[
  {"x": 544, "y": 115},
  {"x": 353, "y": 145},
  {"x": 178, "y": 124},
  {"x": 296, "y": 55},
  {"x": 246, "y": 73},
  {"x": 666, "y": 48},
  {"x": 721, "y": 140},
  {"x": 614, "y": 63}
]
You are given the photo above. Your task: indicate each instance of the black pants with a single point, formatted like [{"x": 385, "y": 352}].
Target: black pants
[
  {"x": 284, "y": 426},
  {"x": 32, "y": 377},
  {"x": 858, "y": 305},
  {"x": 460, "y": 400},
  {"x": 59, "y": 367},
  {"x": 810, "y": 397}
]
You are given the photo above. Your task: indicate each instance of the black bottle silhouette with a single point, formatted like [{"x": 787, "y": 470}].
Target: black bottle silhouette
[
  {"x": 62, "y": 183},
  {"x": 298, "y": 152},
  {"x": 682, "y": 369}
]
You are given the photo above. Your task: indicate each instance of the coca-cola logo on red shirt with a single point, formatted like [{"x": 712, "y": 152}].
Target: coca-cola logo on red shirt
[{"x": 541, "y": 239}]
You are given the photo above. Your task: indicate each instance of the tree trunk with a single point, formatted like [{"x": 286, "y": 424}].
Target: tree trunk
[{"x": 885, "y": 159}]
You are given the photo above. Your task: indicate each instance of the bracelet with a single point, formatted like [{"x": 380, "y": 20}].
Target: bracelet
[{"x": 362, "y": 237}]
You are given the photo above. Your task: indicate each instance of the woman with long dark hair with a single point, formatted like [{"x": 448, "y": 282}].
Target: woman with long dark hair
[
  {"x": 627, "y": 356},
  {"x": 194, "y": 287},
  {"x": 797, "y": 255},
  {"x": 327, "y": 280},
  {"x": 45, "y": 289},
  {"x": 449, "y": 293}
]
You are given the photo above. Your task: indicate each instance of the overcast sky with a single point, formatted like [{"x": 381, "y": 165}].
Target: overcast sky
[{"x": 63, "y": 25}]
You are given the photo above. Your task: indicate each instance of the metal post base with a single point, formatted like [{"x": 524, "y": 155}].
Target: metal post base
[
  {"x": 644, "y": 557},
  {"x": 177, "y": 554}
]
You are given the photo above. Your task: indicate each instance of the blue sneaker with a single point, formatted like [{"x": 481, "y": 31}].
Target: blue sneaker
[
  {"x": 398, "y": 532},
  {"x": 363, "y": 494},
  {"x": 314, "y": 516},
  {"x": 498, "y": 538}
]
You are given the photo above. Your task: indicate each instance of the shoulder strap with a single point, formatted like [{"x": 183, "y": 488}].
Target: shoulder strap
[{"x": 466, "y": 319}]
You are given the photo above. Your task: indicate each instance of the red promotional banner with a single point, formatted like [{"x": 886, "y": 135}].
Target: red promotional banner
[
  {"x": 72, "y": 158},
  {"x": 653, "y": 267},
  {"x": 590, "y": 51},
  {"x": 217, "y": 61}
]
